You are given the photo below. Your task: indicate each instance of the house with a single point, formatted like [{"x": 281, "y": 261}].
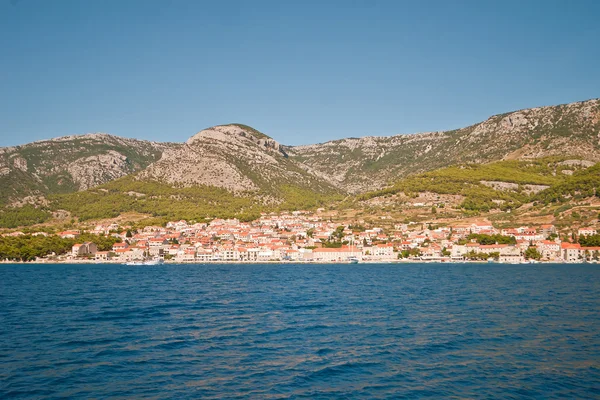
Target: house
[
  {"x": 266, "y": 255},
  {"x": 587, "y": 231},
  {"x": 591, "y": 253},
  {"x": 571, "y": 252},
  {"x": 458, "y": 251},
  {"x": 69, "y": 234},
  {"x": 510, "y": 258},
  {"x": 118, "y": 246},
  {"x": 157, "y": 245},
  {"x": 479, "y": 227},
  {"x": 406, "y": 245},
  {"x": 124, "y": 255},
  {"x": 494, "y": 248},
  {"x": 188, "y": 254},
  {"x": 336, "y": 254},
  {"x": 380, "y": 252},
  {"x": 549, "y": 250},
  {"x": 104, "y": 255},
  {"x": 547, "y": 230},
  {"x": 431, "y": 252},
  {"x": 84, "y": 249}
]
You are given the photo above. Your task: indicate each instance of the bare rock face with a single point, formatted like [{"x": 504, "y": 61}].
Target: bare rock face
[
  {"x": 231, "y": 157},
  {"x": 98, "y": 169},
  {"x": 19, "y": 163},
  {"x": 191, "y": 167}
]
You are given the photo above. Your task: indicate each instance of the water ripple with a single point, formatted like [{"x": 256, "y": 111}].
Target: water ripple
[{"x": 296, "y": 332}]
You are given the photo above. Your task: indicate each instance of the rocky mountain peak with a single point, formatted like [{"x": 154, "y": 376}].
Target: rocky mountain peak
[
  {"x": 234, "y": 157},
  {"x": 236, "y": 134}
]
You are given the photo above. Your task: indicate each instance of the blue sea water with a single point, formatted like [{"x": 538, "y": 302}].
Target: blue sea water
[{"x": 300, "y": 331}]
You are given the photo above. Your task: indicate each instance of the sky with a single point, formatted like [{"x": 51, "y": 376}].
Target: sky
[{"x": 300, "y": 71}]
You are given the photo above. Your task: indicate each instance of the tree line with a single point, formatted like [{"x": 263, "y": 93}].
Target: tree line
[{"x": 29, "y": 247}]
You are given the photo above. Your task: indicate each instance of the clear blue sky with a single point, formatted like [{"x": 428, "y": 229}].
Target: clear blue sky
[{"x": 300, "y": 71}]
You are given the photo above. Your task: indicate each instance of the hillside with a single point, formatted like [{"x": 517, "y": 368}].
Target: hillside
[
  {"x": 369, "y": 163},
  {"x": 30, "y": 172},
  {"x": 498, "y": 165},
  {"x": 564, "y": 191},
  {"x": 236, "y": 158},
  {"x": 225, "y": 171}
]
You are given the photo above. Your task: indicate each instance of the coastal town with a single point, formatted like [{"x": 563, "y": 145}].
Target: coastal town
[{"x": 304, "y": 236}]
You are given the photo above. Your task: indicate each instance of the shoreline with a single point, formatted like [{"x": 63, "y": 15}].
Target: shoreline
[{"x": 399, "y": 262}]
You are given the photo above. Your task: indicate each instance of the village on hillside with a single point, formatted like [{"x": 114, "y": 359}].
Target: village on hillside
[{"x": 304, "y": 236}]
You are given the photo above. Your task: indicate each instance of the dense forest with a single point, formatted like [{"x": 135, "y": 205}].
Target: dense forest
[{"x": 13, "y": 217}]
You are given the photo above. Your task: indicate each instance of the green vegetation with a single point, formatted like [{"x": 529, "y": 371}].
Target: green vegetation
[
  {"x": 532, "y": 253},
  {"x": 165, "y": 202},
  {"x": 470, "y": 180},
  {"x": 409, "y": 253},
  {"x": 582, "y": 184},
  {"x": 589, "y": 241},
  {"x": 159, "y": 200},
  {"x": 492, "y": 239},
  {"x": 199, "y": 203},
  {"x": 335, "y": 239},
  {"x": 473, "y": 255},
  {"x": 13, "y": 217},
  {"x": 298, "y": 198},
  {"x": 28, "y": 247}
]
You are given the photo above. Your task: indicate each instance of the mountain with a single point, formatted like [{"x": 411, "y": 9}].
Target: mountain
[
  {"x": 236, "y": 171},
  {"x": 70, "y": 163},
  {"x": 234, "y": 157},
  {"x": 369, "y": 163},
  {"x": 225, "y": 171}
]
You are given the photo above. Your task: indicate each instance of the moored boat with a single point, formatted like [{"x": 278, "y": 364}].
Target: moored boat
[{"x": 155, "y": 261}]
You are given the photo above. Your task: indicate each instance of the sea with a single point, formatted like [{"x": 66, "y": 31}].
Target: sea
[{"x": 287, "y": 331}]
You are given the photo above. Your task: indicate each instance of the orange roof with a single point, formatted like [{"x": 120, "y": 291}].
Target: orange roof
[{"x": 335, "y": 250}]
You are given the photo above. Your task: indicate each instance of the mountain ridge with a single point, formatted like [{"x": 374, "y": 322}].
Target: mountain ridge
[
  {"x": 71, "y": 163},
  {"x": 370, "y": 162},
  {"x": 256, "y": 169}
]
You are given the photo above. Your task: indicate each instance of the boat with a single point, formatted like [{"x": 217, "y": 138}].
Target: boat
[
  {"x": 156, "y": 261},
  {"x": 353, "y": 260}
]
